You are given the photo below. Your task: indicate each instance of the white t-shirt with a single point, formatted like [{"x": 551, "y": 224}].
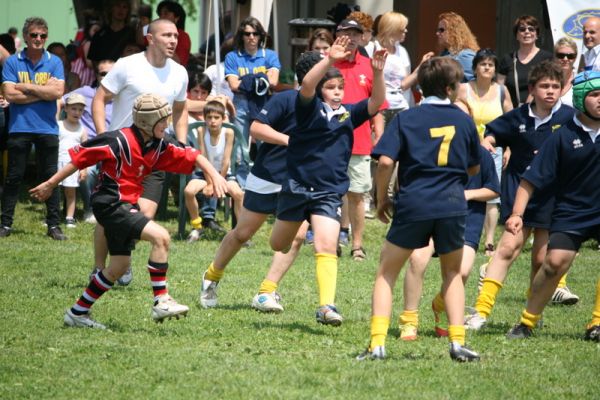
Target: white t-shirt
[
  {"x": 219, "y": 81},
  {"x": 397, "y": 67},
  {"x": 67, "y": 139},
  {"x": 133, "y": 75},
  {"x": 592, "y": 61},
  {"x": 216, "y": 153}
]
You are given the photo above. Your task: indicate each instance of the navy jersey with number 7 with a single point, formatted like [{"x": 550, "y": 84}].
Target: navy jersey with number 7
[{"x": 434, "y": 145}]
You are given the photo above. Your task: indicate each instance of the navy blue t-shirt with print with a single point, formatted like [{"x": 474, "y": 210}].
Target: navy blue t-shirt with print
[
  {"x": 486, "y": 178},
  {"x": 516, "y": 129},
  {"x": 569, "y": 161},
  {"x": 319, "y": 149},
  {"x": 434, "y": 145},
  {"x": 270, "y": 163}
]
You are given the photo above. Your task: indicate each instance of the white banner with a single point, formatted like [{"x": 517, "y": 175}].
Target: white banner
[{"x": 567, "y": 18}]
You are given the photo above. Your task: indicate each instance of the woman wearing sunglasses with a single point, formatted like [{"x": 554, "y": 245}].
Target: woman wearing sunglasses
[
  {"x": 457, "y": 41},
  {"x": 250, "y": 57},
  {"x": 515, "y": 66},
  {"x": 565, "y": 52}
]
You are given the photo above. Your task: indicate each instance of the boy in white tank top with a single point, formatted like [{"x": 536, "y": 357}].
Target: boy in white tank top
[
  {"x": 216, "y": 144},
  {"x": 71, "y": 133}
]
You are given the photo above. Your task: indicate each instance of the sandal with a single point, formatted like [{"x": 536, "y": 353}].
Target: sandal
[
  {"x": 489, "y": 249},
  {"x": 358, "y": 254}
]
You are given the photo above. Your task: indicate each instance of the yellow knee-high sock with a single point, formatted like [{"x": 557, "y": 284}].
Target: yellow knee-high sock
[
  {"x": 530, "y": 320},
  {"x": 379, "y": 328},
  {"x": 196, "y": 223},
  {"x": 438, "y": 304},
  {"x": 596, "y": 312},
  {"x": 409, "y": 317},
  {"x": 213, "y": 274},
  {"x": 267, "y": 286},
  {"x": 456, "y": 333},
  {"x": 563, "y": 281},
  {"x": 326, "y": 277},
  {"x": 487, "y": 296}
]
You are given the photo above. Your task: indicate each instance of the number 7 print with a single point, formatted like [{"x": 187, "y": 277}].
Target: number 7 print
[{"x": 447, "y": 132}]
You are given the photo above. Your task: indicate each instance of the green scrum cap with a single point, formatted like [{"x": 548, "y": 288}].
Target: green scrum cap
[{"x": 584, "y": 83}]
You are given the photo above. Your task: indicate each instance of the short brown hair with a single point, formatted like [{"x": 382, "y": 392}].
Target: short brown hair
[
  {"x": 438, "y": 73},
  {"x": 214, "y": 106},
  {"x": 546, "y": 69},
  {"x": 526, "y": 20}
]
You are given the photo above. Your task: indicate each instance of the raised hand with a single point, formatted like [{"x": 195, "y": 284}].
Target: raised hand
[
  {"x": 378, "y": 60},
  {"x": 338, "y": 50}
]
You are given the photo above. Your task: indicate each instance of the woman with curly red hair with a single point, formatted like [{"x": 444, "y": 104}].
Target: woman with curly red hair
[{"x": 457, "y": 41}]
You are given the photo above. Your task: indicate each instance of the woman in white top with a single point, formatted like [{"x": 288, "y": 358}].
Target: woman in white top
[
  {"x": 565, "y": 52},
  {"x": 398, "y": 77}
]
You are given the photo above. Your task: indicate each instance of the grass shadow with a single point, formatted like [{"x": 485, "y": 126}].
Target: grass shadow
[{"x": 292, "y": 327}]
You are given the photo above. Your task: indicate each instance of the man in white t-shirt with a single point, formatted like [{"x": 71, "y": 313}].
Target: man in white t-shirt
[
  {"x": 152, "y": 71},
  {"x": 591, "y": 40}
]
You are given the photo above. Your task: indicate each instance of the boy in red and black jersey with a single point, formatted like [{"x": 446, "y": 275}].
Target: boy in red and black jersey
[{"x": 127, "y": 156}]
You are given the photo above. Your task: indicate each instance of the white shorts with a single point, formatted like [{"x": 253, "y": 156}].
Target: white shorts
[
  {"x": 359, "y": 172},
  {"x": 71, "y": 180}
]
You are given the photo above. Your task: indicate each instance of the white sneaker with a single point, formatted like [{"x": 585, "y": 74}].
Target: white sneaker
[
  {"x": 473, "y": 320},
  {"x": 126, "y": 278},
  {"x": 564, "y": 296},
  {"x": 194, "y": 236},
  {"x": 378, "y": 353},
  {"x": 70, "y": 222},
  {"x": 89, "y": 217},
  {"x": 167, "y": 307},
  {"x": 267, "y": 302},
  {"x": 81, "y": 321},
  {"x": 208, "y": 293}
]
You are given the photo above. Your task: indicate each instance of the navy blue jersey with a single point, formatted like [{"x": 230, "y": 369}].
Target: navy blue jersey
[
  {"x": 434, "y": 145},
  {"x": 319, "y": 150},
  {"x": 486, "y": 178},
  {"x": 569, "y": 162},
  {"x": 516, "y": 129},
  {"x": 278, "y": 113}
]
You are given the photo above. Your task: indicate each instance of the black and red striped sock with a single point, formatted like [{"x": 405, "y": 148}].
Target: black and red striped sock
[
  {"x": 158, "y": 277},
  {"x": 98, "y": 285}
]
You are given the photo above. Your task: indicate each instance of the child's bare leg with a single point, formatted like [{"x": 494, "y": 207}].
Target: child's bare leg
[
  {"x": 453, "y": 290},
  {"x": 70, "y": 197},
  {"x": 413, "y": 280},
  {"x": 237, "y": 195},
  {"x": 191, "y": 203},
  {"x": 283, "y": 234}
]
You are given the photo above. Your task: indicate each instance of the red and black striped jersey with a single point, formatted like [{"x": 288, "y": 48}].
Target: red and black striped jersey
[{"x": 126, "y": 160}]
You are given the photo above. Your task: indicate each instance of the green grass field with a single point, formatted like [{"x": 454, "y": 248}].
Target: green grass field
[{"x": 233, "y": 352}]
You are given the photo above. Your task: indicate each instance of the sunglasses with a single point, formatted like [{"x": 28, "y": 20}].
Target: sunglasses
[
  {"x": 527, "y": 28},
  {"x": 440, "y": 30},
  {"x": 570, "y": 56},
  {"x": 103, "y": 73},
  {"x": 40, "y": 35},
  {"x": 248, "y": 34}
]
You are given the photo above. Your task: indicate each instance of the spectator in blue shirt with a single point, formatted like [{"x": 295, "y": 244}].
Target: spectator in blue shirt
[
  {"x": 32, "y": 81},
  {"x": 243, "y": 67}
]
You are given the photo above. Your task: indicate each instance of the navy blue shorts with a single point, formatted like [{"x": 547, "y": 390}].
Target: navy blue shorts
[
  {"x": 473, "y": 229},
  {"x": 261, "y": 203},
  {"x": 123, "y": 225},
  {"x": 448, "y": 234},
  {"x": 572, "y": 239},
  {"x": 298, "y": 203}
]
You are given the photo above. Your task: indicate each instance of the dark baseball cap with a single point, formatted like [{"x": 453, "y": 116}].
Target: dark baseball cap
[{"x": 350, "y": 24}]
